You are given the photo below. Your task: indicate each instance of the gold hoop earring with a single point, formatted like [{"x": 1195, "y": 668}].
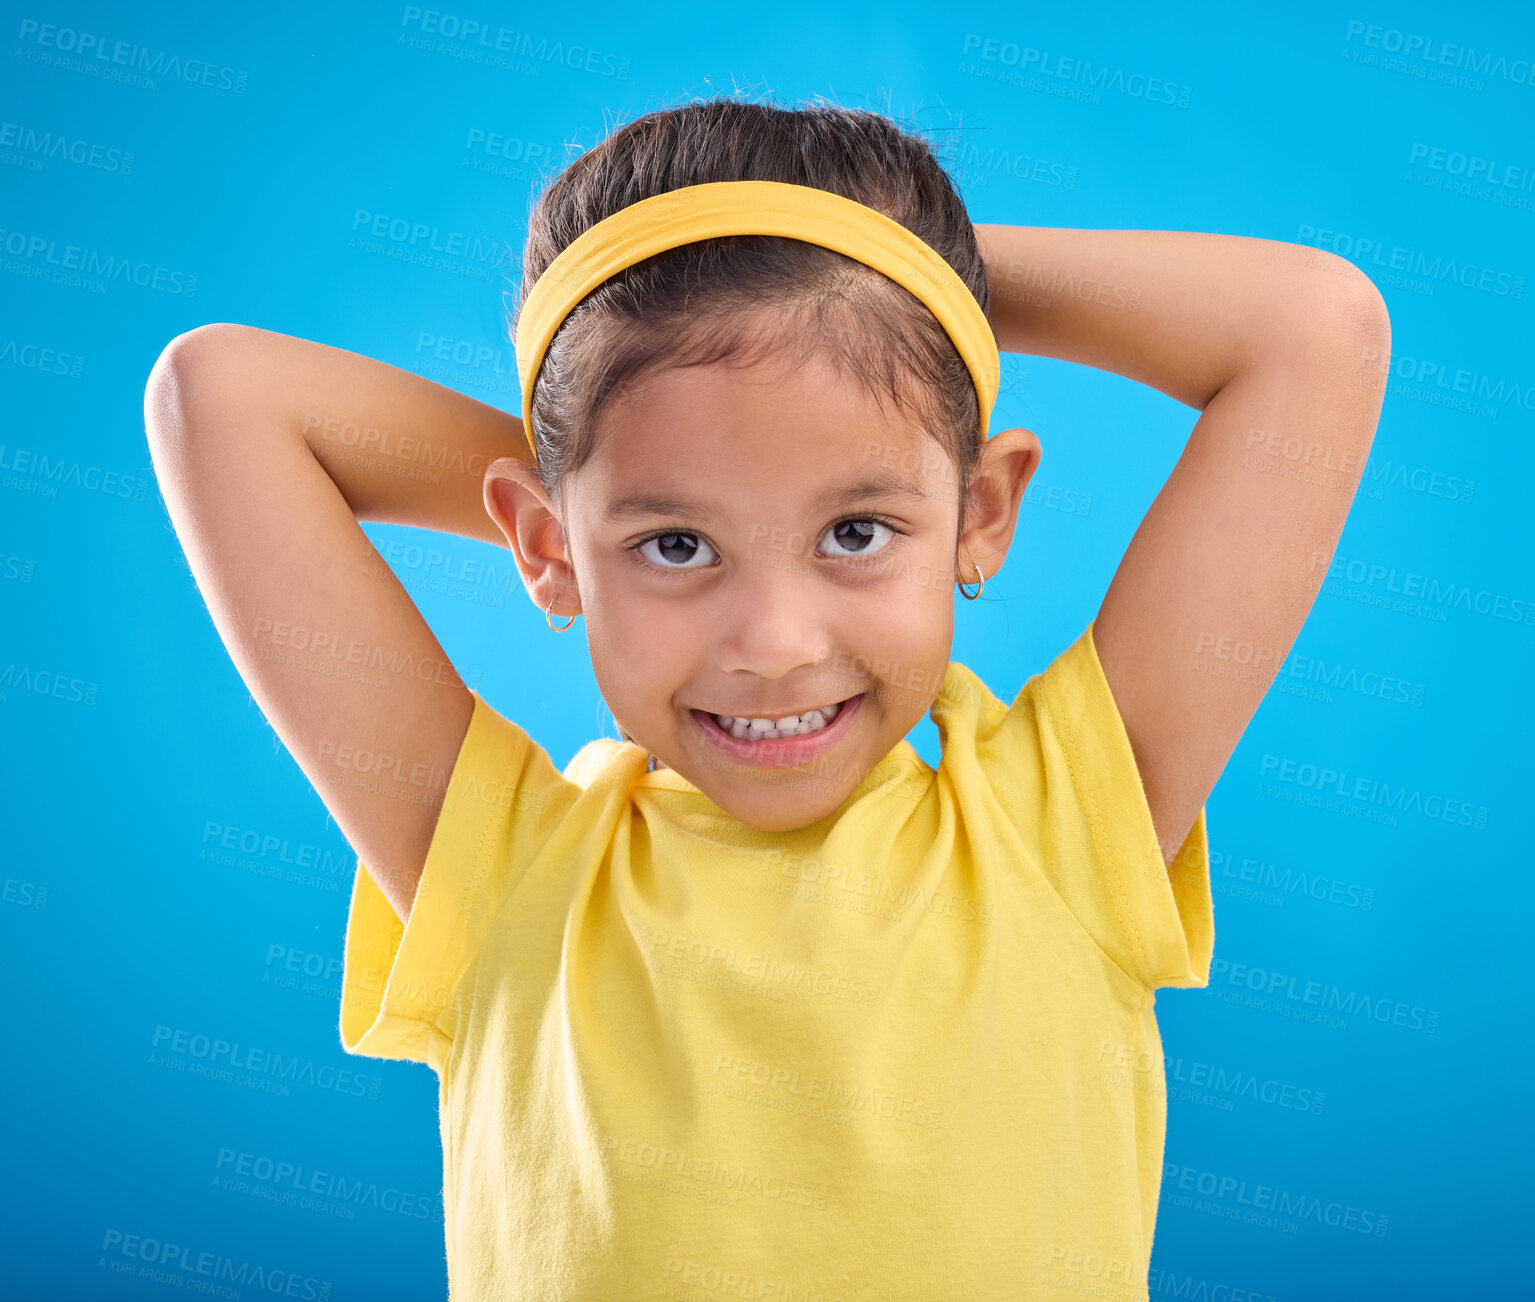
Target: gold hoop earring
[
  {"x": 563, "y": 628},
  {"x": 971, "y": 596}
]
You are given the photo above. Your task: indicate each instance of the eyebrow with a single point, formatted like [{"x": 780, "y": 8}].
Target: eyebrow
[{"x": 883, "y": 484}]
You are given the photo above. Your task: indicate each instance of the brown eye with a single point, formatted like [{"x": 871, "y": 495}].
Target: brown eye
[
  {"x": 860, "y": 537},
  {"x": 676, "y": 551}
]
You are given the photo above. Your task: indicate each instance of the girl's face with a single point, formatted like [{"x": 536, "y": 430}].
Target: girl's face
[{"x": 759, "y": 541}]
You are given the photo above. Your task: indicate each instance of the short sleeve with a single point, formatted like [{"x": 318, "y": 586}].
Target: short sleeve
[
  {"x": 1157, "y": 919},
  {"x": 403, "y": 992},
  {"x": 1059, "y": 761}
]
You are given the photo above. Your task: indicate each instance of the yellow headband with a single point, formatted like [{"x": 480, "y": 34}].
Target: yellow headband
[{"x": 801, "y": 212}]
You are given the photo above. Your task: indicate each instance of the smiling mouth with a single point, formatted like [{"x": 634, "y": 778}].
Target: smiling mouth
[{"x": 773, "y": 727}]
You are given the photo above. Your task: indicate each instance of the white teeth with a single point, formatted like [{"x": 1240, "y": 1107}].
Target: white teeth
[{"x": 793, "y": 725}]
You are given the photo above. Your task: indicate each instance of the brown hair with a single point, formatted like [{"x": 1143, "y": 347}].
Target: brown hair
[{"x": 736, "y": 298}]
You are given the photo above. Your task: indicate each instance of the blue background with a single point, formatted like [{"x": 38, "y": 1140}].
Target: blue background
[{"x": 117, "y": 917}]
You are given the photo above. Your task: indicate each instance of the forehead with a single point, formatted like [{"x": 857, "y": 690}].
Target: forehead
[{"x": 773, "y": 429}]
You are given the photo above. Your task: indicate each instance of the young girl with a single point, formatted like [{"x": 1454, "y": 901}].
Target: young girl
[{"x": 754, "y": 1003}]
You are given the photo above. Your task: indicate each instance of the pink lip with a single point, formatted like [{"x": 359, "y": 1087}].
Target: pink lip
[{"x": 780, "y": 752}]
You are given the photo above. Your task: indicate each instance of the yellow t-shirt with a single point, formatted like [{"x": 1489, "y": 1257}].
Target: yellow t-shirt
[{"x": 908, "y": 1052}]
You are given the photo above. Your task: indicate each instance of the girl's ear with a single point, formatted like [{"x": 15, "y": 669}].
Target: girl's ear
[
  {"x": 1008, "y": 461},
  {"x": 515, "y": 499}
]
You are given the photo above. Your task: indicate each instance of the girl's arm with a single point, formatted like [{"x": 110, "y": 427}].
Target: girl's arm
[
  {"x": 1284, "y": 349},
  {"x": 269, "y": 450}
]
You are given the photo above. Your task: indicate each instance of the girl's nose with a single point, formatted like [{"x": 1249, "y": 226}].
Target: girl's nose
[{"x": 776, "y": 615}]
